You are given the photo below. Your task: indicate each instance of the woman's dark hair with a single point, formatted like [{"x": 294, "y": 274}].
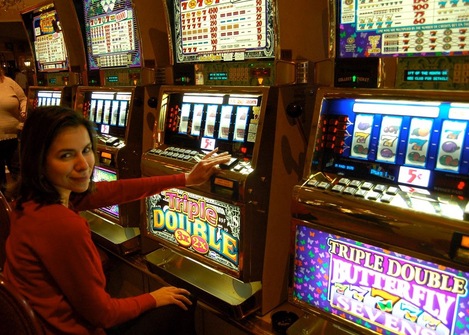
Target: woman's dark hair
[{"x": 40, "y": 129}]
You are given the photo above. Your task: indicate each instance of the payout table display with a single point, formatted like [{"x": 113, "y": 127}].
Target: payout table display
[
  {"x": 378, "y": 289},
  {"x": 111, "y": 34},
  {"x": 403, "y": 28},
  {"x": 49, "y": 45},
  {"x": 223, "y": 30}
]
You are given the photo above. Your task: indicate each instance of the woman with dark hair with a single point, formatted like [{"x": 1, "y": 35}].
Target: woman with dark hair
[{"x": 51, "y": 258}]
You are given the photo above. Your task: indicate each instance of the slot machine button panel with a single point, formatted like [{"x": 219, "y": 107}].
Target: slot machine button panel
[
  {"x": 367, "y": 185},
  {"x": 324, "y": 185},
  {"x": 197, "y": 157},
  {"x": 344, "y": 181},
  {"x": 379, "y": 188},
  {"x": 392, "y": 190},
  {"x": 338, "y": 188},
  {"x": 312, "y": 183},
  {"x": 386, "y": 198},
  {"x": 355, "y": 183},
  {"x": 350, "y": 190},
  {"x": 373, "y": 195},
  {"x": 238, "y": 168},
  {"x": 229, "y": 165},
  {"x": 156, "y": 151},
  {"x": 246, "y": 171},
  {"x": 360, "y": 193}
]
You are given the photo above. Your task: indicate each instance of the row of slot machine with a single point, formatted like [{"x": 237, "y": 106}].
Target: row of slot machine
[
  {"x": 219, "y": 84},
  {"x": 346, "y": 195}
]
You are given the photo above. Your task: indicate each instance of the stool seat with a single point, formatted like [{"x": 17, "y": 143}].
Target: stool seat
[{"x": 16, "y": 316}]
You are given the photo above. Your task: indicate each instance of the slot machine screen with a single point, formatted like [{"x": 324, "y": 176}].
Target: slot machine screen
[
  {"x": 222, "y": 30},
  {"x": 413, "y": 143},
  {"x": 204, "y": 121},
  {"x": 378, "y": 289},
  {"x": 402, "y": 28},
  {"x": 48, "y": 98},
  {"x": 48, "y": 41},
  {"x": 102, "y": 174},
  {"x": 112, "y": 36},
  {"x": 109, "y": 110}
]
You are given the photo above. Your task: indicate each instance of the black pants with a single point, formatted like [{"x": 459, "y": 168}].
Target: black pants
[
  {"x": 166, "y": 320},
  {"x": 9, "y": 157}
]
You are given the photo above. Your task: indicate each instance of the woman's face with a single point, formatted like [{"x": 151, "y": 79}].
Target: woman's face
[{"x": 70, "y": 161}]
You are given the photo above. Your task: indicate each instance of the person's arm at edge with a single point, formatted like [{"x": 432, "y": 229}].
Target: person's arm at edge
[{"x": 126, "y": 190}]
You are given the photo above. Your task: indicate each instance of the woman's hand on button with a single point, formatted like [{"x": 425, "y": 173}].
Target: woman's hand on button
[{"x": 204, "y": 169}]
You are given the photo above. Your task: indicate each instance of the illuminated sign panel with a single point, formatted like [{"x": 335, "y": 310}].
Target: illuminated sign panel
[
  {"x": 223, "y": 30},
  {"x": 111, "y": 34},
  {"x": 203, "y": 226},
  {"x": 49, "y": 45},
  {"x": 378, "y": 289},
  {"x": 368, "y": 28}
]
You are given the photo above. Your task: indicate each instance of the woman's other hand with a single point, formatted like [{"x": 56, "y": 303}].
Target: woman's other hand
[
  {"x": 170, "y": 295},
  {"x": 204, "y": 169}
]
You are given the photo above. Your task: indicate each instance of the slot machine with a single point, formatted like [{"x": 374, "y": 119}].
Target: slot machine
[
  {"x": 113, "y": 43},
  {"x": 379, "y": 220},
  {"x": 227, "y": 240},
  {"x": 115, "y": 104},
  {"x": 58, "y": 51},
  {"x": 48, "y": 96},
  {"x": 117, "y": 113},
  {"x": 120, "y": 94}
]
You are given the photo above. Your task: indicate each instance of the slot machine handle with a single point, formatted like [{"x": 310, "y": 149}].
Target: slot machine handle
[
  {"x": 295, "y": 110},
  {"x": 152, "y": 102}
]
